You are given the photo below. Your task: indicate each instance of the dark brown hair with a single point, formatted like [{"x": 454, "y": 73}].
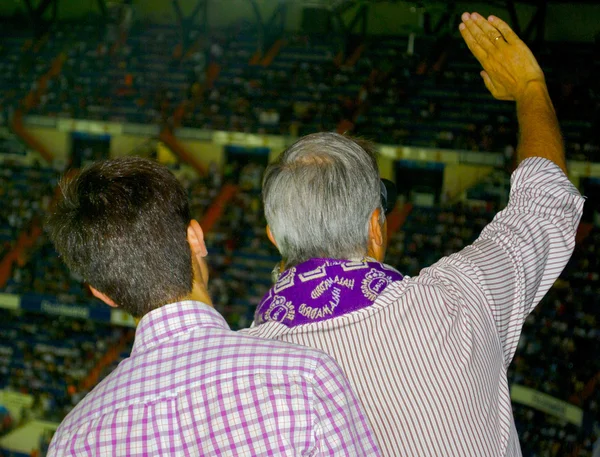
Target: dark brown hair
[{"x": 122, "y": 225}]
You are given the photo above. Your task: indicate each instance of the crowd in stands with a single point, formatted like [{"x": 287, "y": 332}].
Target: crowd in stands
[
  {"x": 431, "y": 97},
  {"x": 15, "y": 64},
  {"x": 202, "y": 190},
  {"x": 437, "y": 99},
  {"x": 138, "y": 80},
  {"x": 553, "y": 356},
  {"x": 25, "y": 196},
  {"x": 25, "y": 193},
  {"x": 300, "y": 91},
  {"x": 431, "y": 233},
  {"x": 241, "y": 257},
  {"x": 49, "y": 358}
]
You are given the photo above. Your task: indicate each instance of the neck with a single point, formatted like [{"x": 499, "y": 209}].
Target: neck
[
  {"x": 199, "y": 293},
  {"x": 369, "y": 256},
  {"x": 200, "y": 284}
]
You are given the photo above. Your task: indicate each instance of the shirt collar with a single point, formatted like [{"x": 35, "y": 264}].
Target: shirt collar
[{"x": 175, "y": 318}]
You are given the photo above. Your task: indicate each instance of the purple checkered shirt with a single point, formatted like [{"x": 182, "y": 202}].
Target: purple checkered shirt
[{"x": 193, "y": 387}]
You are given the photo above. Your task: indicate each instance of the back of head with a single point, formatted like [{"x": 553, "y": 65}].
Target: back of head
[
  {"x": 122, "y": 225},
  {"x": 319, "y": 196}
]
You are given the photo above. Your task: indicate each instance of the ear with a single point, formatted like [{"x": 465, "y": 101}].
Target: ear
[
  {"x": 376, "y": 229},
  {"x": 96, "y": 293},
  {"x": 195, "y": 237},
  {"x": 271, "y": 237}
]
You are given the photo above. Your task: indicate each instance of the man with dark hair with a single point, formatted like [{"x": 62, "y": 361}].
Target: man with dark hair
[
  {"x": 427, "y": 355},
  {"x": 191, "y": 386}
]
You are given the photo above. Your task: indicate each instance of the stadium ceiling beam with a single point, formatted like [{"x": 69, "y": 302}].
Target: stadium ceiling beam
[
  {"x": 277, "y": 20},
  {"x": 537, "y": 24},
  {"x": 360, "y": 18},
  {"x": 533, "y": 31},
  {"x": 514, "y": 18},
  {"x": 446, "y": 21},
  {"x": 197, "y": 18},
  {"x": 102, "y": 7},
  {"x": 38, "y": 10},
  {"x": 36, "y": 14},
  {"x": 54, "y": 11},
  {"x": 259, "y": 24},
  {"x": 271, "y": 29},
  {"x": 29, "y": 7}
]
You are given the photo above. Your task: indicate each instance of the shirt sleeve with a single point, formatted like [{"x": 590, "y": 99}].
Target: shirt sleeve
[
  {"x": 520, "y": 254},
  {"x": 341, "y": 426},
  {"x": 58, "y": 445}
]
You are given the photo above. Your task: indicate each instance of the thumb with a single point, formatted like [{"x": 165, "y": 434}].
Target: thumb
[
  {"x": 497, "y": 90},
  {"x": 488, "y": 82}
]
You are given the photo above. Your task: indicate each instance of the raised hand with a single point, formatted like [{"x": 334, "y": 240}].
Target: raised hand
[{"x": 508, "y": 64}]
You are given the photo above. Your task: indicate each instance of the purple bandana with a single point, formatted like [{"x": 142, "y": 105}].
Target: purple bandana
[{"x": 321, "y": 289}]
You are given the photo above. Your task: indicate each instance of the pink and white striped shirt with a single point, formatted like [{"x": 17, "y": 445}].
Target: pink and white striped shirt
[
  {"x": 193, "y": 387},
  {"x": 428, "y": 359}
]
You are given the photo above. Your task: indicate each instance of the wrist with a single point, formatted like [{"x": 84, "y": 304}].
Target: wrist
[{"x": 534, "y": 87}]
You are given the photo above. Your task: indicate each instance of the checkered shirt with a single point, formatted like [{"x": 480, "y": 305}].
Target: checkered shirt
[{"x": 193, "y": 387}]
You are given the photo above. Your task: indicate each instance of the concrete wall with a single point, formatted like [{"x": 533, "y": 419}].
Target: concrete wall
[
  {"x": 58, "y": 142},
  {"x": 386, "y": 167},
  {"x": 459, "y": 177},
  {"x": 123, "y": 145},
  {"x": 204, "y": 151}
]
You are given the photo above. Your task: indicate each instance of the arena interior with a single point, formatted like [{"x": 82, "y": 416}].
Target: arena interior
[{"x": 217, "y": 88}]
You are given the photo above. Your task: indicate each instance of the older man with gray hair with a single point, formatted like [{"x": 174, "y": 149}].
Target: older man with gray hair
[{"x": 427, "y": 355}]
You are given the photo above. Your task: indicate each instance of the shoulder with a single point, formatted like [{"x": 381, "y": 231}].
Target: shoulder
[
  {"x": 264, "y": 343},
  {"x": 89, "y": 408},
  {"x": 77, "y": 418}
]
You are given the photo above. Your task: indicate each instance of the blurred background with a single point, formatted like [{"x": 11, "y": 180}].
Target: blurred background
[{"x": 215, "y": 89}]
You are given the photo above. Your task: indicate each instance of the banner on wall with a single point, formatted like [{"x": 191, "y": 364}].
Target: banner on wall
[
  {"x": 45, "y": 304},
  {"x": 49, "y": 305},
  {"x": 91, "y": 127},
  {"x": 546, "y": 403},
  {"x": 120, "y": 317},
  {"x": 9, "y": 301},
  {"x": 14, "y": 402},
  {"x": 420, "y": 182},
  {"x": 277, "y": 142}
]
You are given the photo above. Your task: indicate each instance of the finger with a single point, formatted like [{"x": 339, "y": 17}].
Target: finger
[
  {"x": 478, "y": 34},
  {"x": 508, "y": 34},
  {"x": 472, "y": 44},
  {"x": 493, "y": 34}
]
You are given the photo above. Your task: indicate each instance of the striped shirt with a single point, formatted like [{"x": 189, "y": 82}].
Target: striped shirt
[
  {"x": 429, "y": 358},
  {"x": 193, "y": 387}
]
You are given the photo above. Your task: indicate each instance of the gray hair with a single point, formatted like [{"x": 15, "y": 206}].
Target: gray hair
[{"x": 319, "y": 196}]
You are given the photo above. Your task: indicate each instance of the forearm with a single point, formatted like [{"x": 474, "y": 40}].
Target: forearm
[{"x": 539, "y": 133}]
